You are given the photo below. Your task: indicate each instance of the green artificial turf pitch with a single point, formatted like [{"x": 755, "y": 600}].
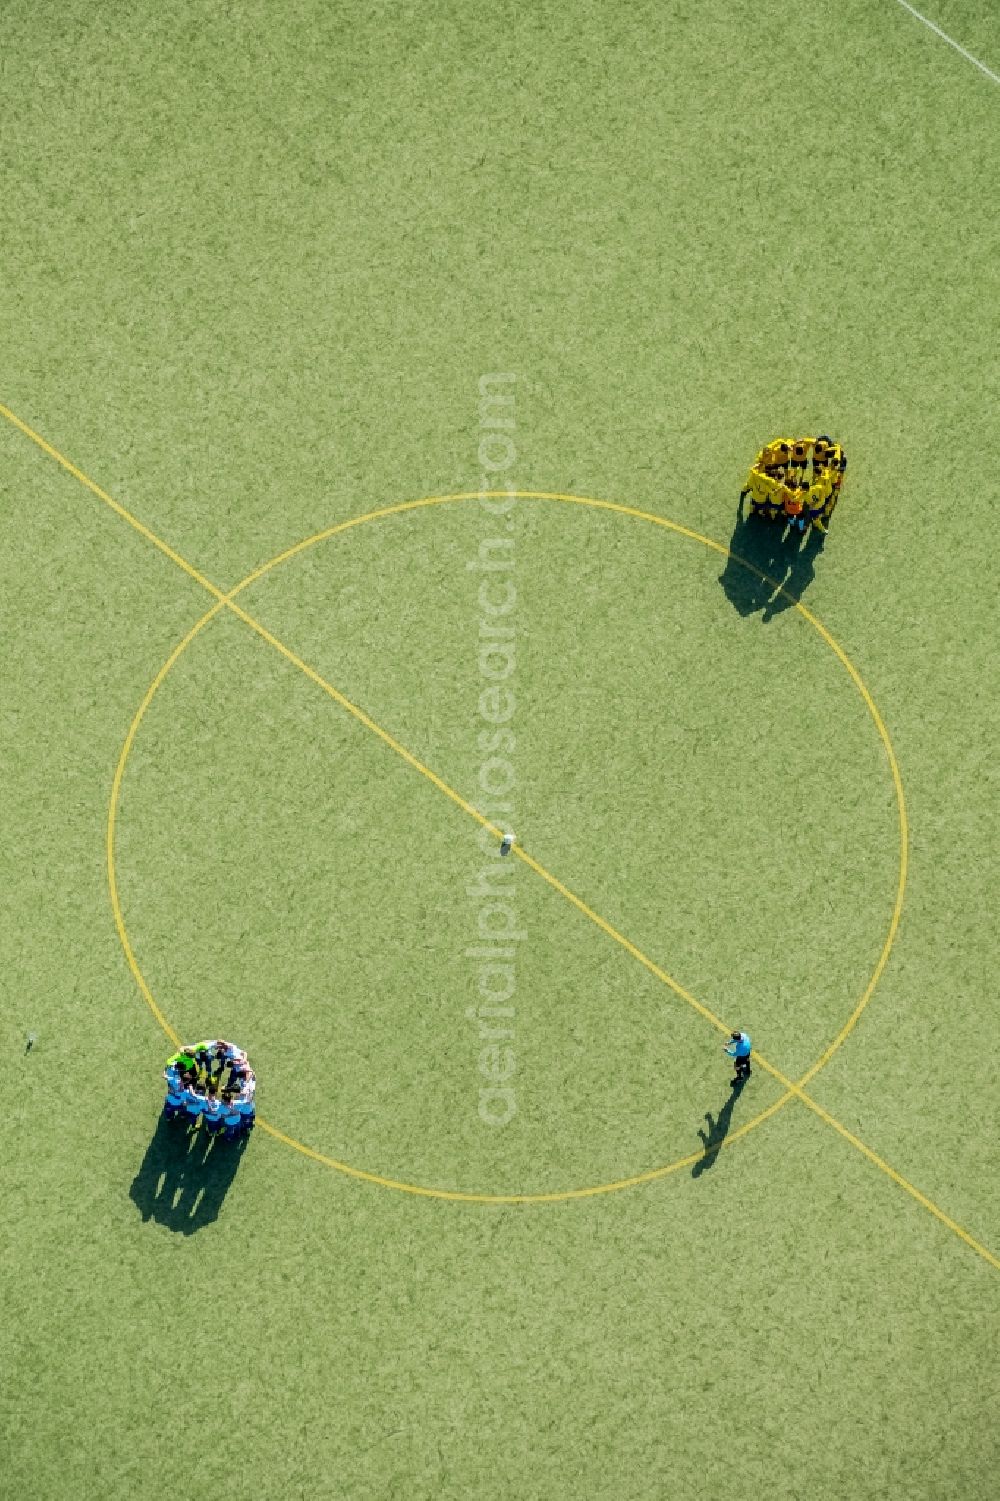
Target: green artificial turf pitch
[{"x": 256, "y": 261}]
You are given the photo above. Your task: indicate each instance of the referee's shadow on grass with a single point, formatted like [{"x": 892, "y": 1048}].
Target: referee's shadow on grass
[
  {"x": 782, "y": 565},
  {"x": 718, "y": 1130},
  {"x": 184, "y": 1177}
]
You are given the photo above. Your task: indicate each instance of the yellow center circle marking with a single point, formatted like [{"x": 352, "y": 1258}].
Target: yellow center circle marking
[{"x": 601, "y": 505}]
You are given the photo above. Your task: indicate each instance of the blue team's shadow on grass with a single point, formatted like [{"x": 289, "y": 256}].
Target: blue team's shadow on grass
[
  {"x": 718, "y": 1130},
  {"x": 771, "y": 567},
  {"x": 185, "y": 1177}
]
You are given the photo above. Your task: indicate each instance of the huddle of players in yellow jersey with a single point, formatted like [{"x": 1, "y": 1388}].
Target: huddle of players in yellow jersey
[{"x": 797, "y": 481}]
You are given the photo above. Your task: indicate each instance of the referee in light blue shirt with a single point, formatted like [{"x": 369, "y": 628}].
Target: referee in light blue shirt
[{"x": 739, "y": 1051}]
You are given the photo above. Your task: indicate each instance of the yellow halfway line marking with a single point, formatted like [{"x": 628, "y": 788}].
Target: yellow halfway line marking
[
  {"x": 226, "y": 601},
  {"x": 118, "y": 509},
  {"x": 898, "y": 1178},
  {"x": 879, "y": 1162},
  {"x": 361, "y": 716}
]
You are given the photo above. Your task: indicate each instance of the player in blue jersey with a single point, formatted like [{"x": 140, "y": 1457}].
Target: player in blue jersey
[
  {"x": 173, "y": 1105},
  {"x": 194, "y": 1107},
  {"x": 232, "y": 1120},
  {"x": 738, "y": 1050},
  {"x": 214, "y": 1112}
]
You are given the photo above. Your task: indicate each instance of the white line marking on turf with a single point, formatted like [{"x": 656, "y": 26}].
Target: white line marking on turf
[{"x": 951, "y": 42}]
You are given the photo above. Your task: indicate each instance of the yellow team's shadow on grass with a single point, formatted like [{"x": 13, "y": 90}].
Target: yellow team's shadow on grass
[
  {"x": 185, "y": 1176},
  {"x": 782, "y": 565}
]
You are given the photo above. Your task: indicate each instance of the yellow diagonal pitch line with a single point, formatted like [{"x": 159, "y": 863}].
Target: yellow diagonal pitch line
[
  {"x": 108, "y": 500},
  {"x": 227, "y": 601}
]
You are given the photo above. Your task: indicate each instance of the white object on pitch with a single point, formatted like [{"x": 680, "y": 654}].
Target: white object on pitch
[{"x": 506, "y": 844}]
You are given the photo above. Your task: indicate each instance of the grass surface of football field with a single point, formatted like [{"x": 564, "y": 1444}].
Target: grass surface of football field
[{"x": 270, "y": 270}]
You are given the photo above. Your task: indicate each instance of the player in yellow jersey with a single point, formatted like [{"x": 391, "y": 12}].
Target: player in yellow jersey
[
  {"x": 801, "y": 449},
  {"x": 757, "y": 474},
  {"x": 837, "y": 474},
  {"x": 789, "y": 504},
  {"x": 761, "y": 489},
  {"x": 772, "y": 496},
  {"x": 801, "y": 487},
  {"x": 773, "y": 456},
  {"x": 817, "y": 498},
  {"x": 783, "y": 450},
  {"x": 821, "y": 452}
]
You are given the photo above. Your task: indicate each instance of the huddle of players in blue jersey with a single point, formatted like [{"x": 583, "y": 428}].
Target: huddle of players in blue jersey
[{"x": 212, "y": 1084}]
